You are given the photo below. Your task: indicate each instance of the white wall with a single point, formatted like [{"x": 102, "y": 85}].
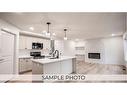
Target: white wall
[
  {"x": 59, "y": 45},
  {"x": 114, "y": 51},
  {"x": 14, "y": 30},
  {"x": 94, "y": 46},
  {"x": 111, "y": 49},
  {"x": 67, "y": 48}
]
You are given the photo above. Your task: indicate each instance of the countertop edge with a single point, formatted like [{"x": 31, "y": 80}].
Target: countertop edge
[{"x": 38, "y": 61}]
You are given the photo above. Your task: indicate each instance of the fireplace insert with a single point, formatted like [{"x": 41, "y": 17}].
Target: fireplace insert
[{"x": 94, "y": 55}]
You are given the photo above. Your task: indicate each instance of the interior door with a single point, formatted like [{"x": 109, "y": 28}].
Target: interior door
[
  {"x": 7, "y": 53},
  {"x": 7, "y": 44},
  {"x": 29, "y": 42},
  {"x": 0, "y": 43},
  {"x": 6, "y": 65}
]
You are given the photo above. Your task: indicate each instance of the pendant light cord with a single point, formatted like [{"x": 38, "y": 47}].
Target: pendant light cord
[
  {"x": 48, "y": 26},
  {"x": 65, "y": 32}
]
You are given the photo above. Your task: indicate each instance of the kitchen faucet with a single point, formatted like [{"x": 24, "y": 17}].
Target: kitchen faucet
[
  {"x": 56, "y": 51},
  {"x": 55, "y": 54}
]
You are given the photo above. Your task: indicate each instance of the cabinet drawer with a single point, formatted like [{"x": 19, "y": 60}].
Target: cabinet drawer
[
  {"x": 22, "y": 66},
  {"x": 37, "y": 68},
  {"x": 25, "y": 64}
]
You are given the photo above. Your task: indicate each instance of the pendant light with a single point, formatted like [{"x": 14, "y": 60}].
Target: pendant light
[
  {"x": 65, "y": 36},
  {"x": 48, "y": 33}
]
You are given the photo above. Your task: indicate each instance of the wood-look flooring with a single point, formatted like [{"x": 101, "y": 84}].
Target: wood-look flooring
[
  {"x": 90, "y": 68},
  {"x": 104, "y": 69}
]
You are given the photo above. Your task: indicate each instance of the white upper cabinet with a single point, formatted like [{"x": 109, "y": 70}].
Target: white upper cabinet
[
  {"x": 29, "y": 41},
  {"x": 39, "y": 40},
  {"x": 22, "y": 42},
  {"x": 25, "y": 42}
]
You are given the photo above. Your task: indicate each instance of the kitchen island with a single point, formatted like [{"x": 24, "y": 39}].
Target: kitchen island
[{"x": 62, "y": 65}]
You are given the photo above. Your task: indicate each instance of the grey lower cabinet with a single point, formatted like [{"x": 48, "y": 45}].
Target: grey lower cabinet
[
  {"x": 25, "y": 64},
  {"x": 37, "y": 68},
  {"x": 61, "y": 67}
]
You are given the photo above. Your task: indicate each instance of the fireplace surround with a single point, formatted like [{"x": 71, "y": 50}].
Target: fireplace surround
[{"x": 94, "y": 56}]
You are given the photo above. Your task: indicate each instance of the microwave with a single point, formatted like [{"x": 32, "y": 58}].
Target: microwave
[{"x": 37, "y": 45}]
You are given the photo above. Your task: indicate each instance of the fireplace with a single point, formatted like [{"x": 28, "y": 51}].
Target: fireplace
[{"x": 94, "y": 55}]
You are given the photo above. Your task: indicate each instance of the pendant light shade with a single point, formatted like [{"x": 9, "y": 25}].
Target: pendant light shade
[
  {"x": 48, "y": 33},
  {"x": 65, "y": 36}
]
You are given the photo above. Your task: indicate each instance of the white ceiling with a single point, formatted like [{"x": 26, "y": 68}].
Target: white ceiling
[{"x": 81, "y": 25}]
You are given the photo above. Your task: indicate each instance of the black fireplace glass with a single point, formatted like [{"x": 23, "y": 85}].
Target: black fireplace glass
[{"x": 94, "y": 55}]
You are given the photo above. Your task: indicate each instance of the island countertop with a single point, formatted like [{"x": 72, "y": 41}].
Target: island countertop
[
  {"x": 24, "y": 56},
  {"x": 47, "y": 60}
]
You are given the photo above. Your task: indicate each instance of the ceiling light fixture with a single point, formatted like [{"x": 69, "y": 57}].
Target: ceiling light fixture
[
  {"x": 65, "y": 36},
  {"x": 54, "y": 34},
  {"x": 113, "y": 34},
  {"x": 31, "y": 28},
  {"x": 76, "y": 39},
  {"x": 48, "y": 33}
]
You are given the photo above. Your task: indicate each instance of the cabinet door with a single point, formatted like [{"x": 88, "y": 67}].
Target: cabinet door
[
  {"x": 39, "y": 40},
  {"x": 28, "y": 64},
  {"x": 37, "y": 68},
  {"x": 22, "y": 42},
  {"x": 22, "y": 65},
  {"x": 29, "y": 42},
  {"x": 6, "y": 66},
  {"x": 35, "y": 40},
  {"x": 52, "y": 68},
  {"x": 66, "y": 67}
]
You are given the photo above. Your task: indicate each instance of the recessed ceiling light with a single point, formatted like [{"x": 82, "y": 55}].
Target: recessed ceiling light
[
  {"x": 65, "y": 38},
  {"x": 113, "y": 34},
  {"x": 47, "y": 34},
  {"x": 31, "y": 28},
  {"x": 76, "y": 39},
  {"x": 54, "y": 34}
]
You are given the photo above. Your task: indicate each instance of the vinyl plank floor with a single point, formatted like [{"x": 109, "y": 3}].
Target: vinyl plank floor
[{"x": 88, "y": 69}]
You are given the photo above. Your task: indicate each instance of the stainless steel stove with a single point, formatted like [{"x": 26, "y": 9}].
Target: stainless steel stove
[{"x": 37, "y": 55}]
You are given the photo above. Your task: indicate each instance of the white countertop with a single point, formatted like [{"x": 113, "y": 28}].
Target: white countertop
[
  {"x": 47, "y": 60},
  {"x": 24, "y": 56}
]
